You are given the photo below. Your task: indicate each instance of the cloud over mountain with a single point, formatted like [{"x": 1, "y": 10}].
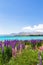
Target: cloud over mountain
[{"x": 35, "y": 28}]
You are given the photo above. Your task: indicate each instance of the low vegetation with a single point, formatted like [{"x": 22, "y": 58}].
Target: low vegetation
[{"x": 26, "y": 54}]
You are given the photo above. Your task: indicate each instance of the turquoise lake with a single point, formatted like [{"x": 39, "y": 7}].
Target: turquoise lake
[{"x": 2, "y": 38}]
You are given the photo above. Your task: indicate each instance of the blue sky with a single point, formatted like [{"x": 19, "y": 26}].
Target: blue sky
[{"x": 16, "y": 15}]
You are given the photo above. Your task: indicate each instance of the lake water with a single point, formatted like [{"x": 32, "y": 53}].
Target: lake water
[{"x": 2, "y": 38}]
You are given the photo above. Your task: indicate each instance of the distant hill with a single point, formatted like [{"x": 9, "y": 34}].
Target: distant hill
[{"x": 27, "y": 33}]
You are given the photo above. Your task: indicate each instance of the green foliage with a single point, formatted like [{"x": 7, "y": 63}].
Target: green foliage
[
  {"x": 28, "y": 57},
  {"x": 33, "y": 46},
  {"x": 42, "y": 55},
  {"x": 6, "y": 55},
  {"x": 27, "y": 43},
  {"x": 39, "y": 44},
  {"x": 0, "y": 56}
]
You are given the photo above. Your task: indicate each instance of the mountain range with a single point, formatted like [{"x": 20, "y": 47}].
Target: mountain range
[{"x": 27, "y": 33}]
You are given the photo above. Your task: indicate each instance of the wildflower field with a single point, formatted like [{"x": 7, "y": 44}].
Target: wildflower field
[{"x": 27, "y": 52}]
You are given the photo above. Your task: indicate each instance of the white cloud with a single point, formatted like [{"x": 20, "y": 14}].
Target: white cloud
[{"x": 35, "y": 28}]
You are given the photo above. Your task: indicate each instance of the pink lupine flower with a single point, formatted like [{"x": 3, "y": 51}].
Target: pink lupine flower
[
  {"x": 14, "y": 50},
  {"x": 41, "y": 48}
]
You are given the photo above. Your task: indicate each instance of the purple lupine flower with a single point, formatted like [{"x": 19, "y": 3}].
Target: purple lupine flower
[
  {"x": 23, "y": 46},
  {"x": 13, "y": 43},
  {"x": 18, "y": 47},
  {"x": 33, "y": 41},
  {"x": 39, "y": 41},
  {"x": 7, "y": 43}
]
